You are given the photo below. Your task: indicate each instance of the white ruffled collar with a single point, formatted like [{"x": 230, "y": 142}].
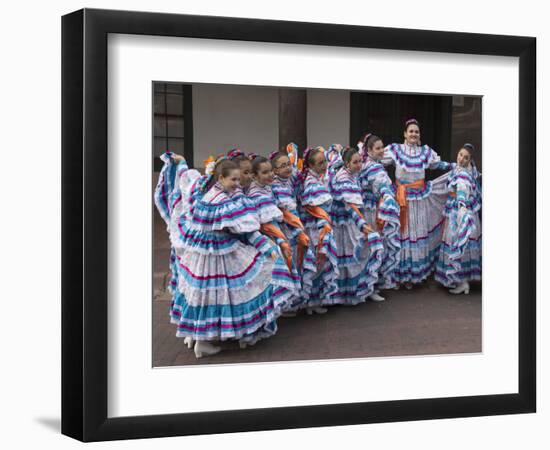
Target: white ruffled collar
[
  {"x": 279, "y": 180},
  {"x": 317, "y": 176},
  {"x": 255, "y": 186}
]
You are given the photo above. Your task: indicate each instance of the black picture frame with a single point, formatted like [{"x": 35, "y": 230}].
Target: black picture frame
[{"x": 84, "y": 224}]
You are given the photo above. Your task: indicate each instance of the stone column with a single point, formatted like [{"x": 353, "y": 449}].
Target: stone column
[{"x": 293, "y": 118}]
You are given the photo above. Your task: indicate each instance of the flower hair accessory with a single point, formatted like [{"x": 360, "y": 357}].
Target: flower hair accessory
[
  {"x": 209, "y": 172},
  {"x": 209, "y": 164},
  {"x": 234, "y": 153},
  {"x": 291, "y": 148},
  {"x": 292, "y": 151}
]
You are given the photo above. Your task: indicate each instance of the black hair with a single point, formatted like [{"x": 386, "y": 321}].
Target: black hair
[
  {"x": 277, "y": 156},
  {"x": 237, "y": 155},
  {"x": 241, "y": 158},
  {"x": 311, "y": 154},
  {"x": 470, "y": 148},
  {"x": 347, "y": 153},
  {"x": 256, "y": 162},
  {"x": 410, "y": 122},
  {"x": 371, "y": 141}
]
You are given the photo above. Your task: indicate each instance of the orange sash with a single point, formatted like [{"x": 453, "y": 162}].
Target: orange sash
[
  {"x": 302, "y": 240},
  {"x": 303, "y": 243},
  {"x": 320, "y": 213},
  {"x": 317, "y": 212},
  {"x": 321, "y": 257},
  {"x": 292, "y": 220},
  {"x": 401, "y": 198},
  {"x": 272, "y": 231}
]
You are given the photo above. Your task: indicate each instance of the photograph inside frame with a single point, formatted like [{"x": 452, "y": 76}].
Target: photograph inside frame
[{"x": 294, "y": 224}]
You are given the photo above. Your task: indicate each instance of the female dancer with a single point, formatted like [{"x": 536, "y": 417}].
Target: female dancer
[
  {"x": 245, "y": 167},
  {"x": 459, "y": 258},
  {"x": 284, "y": 193},
  {"x": 421, "y": 204},
  {"x": 359, "y": 248},
  {"x": 270, "y": 217},
  {"x": 316, "y": 201},
  {"x": 381, "y": 209},
  {"x": 225, "y": 286}
]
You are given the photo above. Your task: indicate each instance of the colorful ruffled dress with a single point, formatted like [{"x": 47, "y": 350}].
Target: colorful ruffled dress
[
  {"x": 421, "y": 205},
  {"x": 271, "y": 219},
  {"x": 359, "y": 255},
  {"x": 225, "y": 285},
  {"x": 315, "y": 204},
  {"x": 167, "y": 198},
  {"x": 460, "y": 252},
  {"x": 382, "y": 214},
  {"x": 284, "y": 193}
]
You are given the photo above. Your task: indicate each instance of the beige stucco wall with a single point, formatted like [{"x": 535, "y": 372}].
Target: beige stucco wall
[{"x": 247, "y": 117}]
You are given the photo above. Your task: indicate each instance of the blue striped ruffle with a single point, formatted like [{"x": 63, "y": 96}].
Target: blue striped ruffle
[
  {"x": 371, "y": 170},
  {"x": 340, "y": 215},
  {"x": 418, "y": 162},
  {"x": 213, "y": 322},
  {"x": 164, "y": 187},
  {"x": 284, "y": 193},
  {"x": 420, "y": 194},
  {"x": 415, "y": 269},
  {"x": 231, "y": 212},
  {"x": 246, "y": 272},
  {"x": 324, "y": 283},
  {"x": 315, "y": 194},
  {"x": 451, "y": 263},
  {"x": 388, "y": 211},
  {"x": 173, "y": 283},
  {"x": 345, "y": 187},
  {"x": 204, "y": 242},
  {"x": 469, "y": 271}
]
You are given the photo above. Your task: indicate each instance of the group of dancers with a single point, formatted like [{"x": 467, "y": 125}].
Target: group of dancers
[{"x": 256, "y": 237}]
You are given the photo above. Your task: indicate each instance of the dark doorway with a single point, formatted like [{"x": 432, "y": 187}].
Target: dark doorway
[{"x": 385, "y": 114}]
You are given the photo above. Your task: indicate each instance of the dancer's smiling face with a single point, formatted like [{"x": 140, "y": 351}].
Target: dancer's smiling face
[
  {"x": 412, "y": 134},
  {"x": 231, "y": 180},
  {"x": 354, "y": 163},
  {"x": 282, "y": 167},
  {"x": 318, "y": 163},
  {"x": 245, "y": 167},
  {"x": 264, "y": 174},
  {"x": 377, "y": 150},
  {"x": 463, "y": 158}
]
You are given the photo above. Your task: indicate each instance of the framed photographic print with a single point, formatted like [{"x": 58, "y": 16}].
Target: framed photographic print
[{"x": 272, "y": 224}]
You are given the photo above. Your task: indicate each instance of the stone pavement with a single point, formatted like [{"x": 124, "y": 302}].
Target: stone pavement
[{"x": 425, "y": 320}]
